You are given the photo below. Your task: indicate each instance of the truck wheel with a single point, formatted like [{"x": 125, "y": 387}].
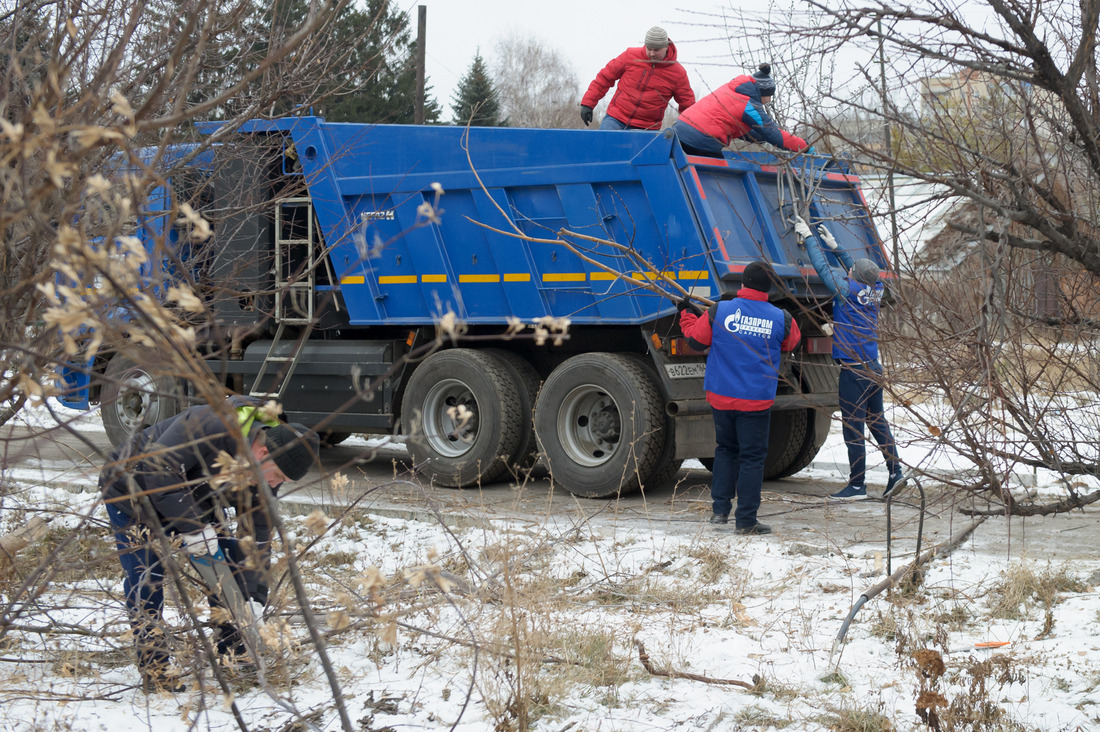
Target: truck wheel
[
  {"x": 796, "y": 439},
  {"x": 667, "y": 465},
  {"x": 134, "y": 397},
  {"x": 527, "y": 383},
  {"x": 599, "y": 420},
  {"x": 453, "y": 450}
]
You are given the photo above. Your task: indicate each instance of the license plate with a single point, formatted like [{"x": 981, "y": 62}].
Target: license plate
[{"x": 686, "y": 370}]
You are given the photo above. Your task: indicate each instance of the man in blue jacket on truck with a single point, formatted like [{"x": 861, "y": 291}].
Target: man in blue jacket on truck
[
  {"x": 857, "y": 296},
  {"x": 746, "y": 336},
  {"x": 164, "y": 480}
]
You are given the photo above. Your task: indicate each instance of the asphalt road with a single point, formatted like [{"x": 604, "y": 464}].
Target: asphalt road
[{"x": 380, "y": 481}]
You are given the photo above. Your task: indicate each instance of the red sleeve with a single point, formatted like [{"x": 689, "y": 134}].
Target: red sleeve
[
  {"x": 604, "y": 80},
  {"x": 793, "y": 337},
  {"x": 696, "y": 327},
  {"x": 794, "y": 143},
  {"x": 685, "y": 96}
]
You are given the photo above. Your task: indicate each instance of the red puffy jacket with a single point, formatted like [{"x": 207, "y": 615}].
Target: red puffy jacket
[
  {"x": 734, "y": 111},
  {"x": 644, "y": 87}
]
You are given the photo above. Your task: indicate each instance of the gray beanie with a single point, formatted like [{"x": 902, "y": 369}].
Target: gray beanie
[
  {"x": 294, "y": 448},
  {"x": 656, "y": 38},
  {"x": 758, "y": 276},
  {"x": 765, "y": 84},
  {"x": 865, "y": 271}
]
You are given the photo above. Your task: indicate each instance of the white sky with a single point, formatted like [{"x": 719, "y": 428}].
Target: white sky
[{"x": 587, "y": 33}]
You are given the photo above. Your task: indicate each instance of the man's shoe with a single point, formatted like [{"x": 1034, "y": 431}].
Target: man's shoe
[
  {"x": 851, "y": 491},
  {"x": 720, "y": 518},
  {"x": 895, "y": 484},
  {"x": 757, "y": 528}
]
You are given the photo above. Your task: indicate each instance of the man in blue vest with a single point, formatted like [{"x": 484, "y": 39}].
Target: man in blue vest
[
  {"x": 169, "y": 483},
  {"x": 746, "y": 336},
  {"x": 857, "y": 296}
]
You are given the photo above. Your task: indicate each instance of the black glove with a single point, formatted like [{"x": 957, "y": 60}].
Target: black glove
[
  {"x": 586, "y": 115},
  {"x": 687, "y": 304}
]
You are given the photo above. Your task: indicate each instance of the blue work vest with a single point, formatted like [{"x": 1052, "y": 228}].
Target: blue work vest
[
  {"x": 743, "y": 362},
  {"x": 855, "y": 320}
]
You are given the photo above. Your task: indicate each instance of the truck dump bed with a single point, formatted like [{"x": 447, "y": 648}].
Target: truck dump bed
[{"x": 699, "y": 220}]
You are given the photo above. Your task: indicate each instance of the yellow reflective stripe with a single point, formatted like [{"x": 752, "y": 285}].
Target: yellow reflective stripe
[
  {"x": 598, "y": 276},
  {"x": 433, "y": 278},
  {"x": 397, "y": 279},
  {"x": 652, "y": 275},
  {"x": 353, "y": 280},
  {"x": 690, "y": 274},
  {"x": 479, "y": 278},
  {"x": 247, "y": 414},
  {"x": 563, "y": 277},
  {"x": 517, "y": 277}
]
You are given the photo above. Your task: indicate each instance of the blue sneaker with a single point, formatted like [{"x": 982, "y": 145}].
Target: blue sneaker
[
  {"x": 851, "y": 491},
  {"x": 895, "y": 483}
]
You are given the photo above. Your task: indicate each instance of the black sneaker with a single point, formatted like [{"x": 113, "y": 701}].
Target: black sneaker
[
  {"x": 895, "y": 484},
  {"x": 851, "y": 491},
  {"x": 757, "y": 528},
  {"x": 720, "y": 518}
]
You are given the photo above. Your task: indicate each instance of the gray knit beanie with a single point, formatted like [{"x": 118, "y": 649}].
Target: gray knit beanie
[
  {"x": 765, "y": 84},
  {"x": 656, "y": 38},
  {"x": 865, "y": 271}
]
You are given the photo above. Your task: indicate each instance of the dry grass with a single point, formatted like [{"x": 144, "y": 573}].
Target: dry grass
[{"x": 1022, "y": 587}]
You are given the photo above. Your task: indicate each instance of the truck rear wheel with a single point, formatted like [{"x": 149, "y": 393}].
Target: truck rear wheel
[
  {"x": 794, "y": 439},
  {"x": 599, "y": 420},
  {"x": 463, "y": 408},
  {"x": 805, "y": 433},
  {"x": 135, "y": 396},
  {"x": 527, "y": 383}
]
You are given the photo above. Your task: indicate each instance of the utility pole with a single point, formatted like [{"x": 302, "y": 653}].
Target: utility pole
[
  {"x": 888, "y": 138},
  {"x": 421, "y": 34}
]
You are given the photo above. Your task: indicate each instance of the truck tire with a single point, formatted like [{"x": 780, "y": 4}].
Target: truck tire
[
  {"x": 667, "y": 464},
  {"x": 134, "y": 397},
  {"x": 456, "y": 453},
  {"x": 527, "y": 383},
  {"x": 599, "y": 420},
  {"x": 794, "y": 439},
  {"x": 807, "y": 430}
]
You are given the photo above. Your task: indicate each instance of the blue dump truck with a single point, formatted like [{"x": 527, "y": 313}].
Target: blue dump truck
[{"x": 339, "y": 249}]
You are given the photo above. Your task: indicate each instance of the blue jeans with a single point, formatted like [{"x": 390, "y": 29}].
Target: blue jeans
[
  {"x": 143, "y": 586},
  {"x": 610, "y": 123},
  {"x": 860, "y": 395},
  {"x": 695, "y": 142},
  {"x": 742, "y": 447}
]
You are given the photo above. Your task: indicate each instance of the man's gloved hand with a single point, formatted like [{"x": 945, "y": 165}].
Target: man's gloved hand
[
  {"x": 202, "y": 542},
  {"x": 586, "y": 115},
  {"x": 257, "y": 610},
  {"x": 802, "y": 228},
  {"x": 827, "y": 236},
  {"x": 686, "y": 304},
  {"x": 810, "y": 150}
]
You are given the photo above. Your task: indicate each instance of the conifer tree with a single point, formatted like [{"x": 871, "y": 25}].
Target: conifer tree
[{"x": 476, "y": 101}]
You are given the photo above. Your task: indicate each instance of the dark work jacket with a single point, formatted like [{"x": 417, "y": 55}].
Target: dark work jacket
[{"x": 171, "y": 464}]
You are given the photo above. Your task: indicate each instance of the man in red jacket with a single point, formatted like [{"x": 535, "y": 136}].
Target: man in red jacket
[
  {"x": 747, "y": 336},
  {"x": 735, "y": 111},
  {"x": 647, "y": 78}
]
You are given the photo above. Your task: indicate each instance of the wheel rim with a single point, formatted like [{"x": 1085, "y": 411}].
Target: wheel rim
[
  {"x": 589, "y": 426},
  {"x": 444, "y": 430},
  {"x": 134, "y": 406}
]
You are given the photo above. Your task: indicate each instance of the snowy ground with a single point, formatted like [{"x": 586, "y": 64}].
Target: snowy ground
[{"x": 547, "y": 633}]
